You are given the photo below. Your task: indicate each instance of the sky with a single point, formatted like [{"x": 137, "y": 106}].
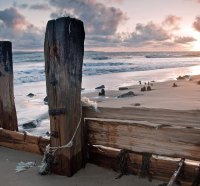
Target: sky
[{"x": 110, "y": 25}]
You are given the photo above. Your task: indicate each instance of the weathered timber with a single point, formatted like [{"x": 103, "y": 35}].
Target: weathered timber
[
  {"x": 23, "y": 141},
  {"x": 8, "y": 117},
  {"x": 186, "y": 118},
  {"x": 160, "y": 168},
  {"x": 63, "y": 50},
  {"x": 145, "y": 137}
]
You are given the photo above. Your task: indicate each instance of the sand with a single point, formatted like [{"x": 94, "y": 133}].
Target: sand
[
  {"x": 92, "y": 175},
  {"x": 163, "y": 95},
  {"x": 183, "y": 97}
]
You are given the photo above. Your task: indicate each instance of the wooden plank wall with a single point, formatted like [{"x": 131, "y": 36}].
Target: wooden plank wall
[
  {"x": 23, "y": 141},
  {"x": 145, "y": 137},
  {"x": 183, "y": 118},
  {"x": 107, "y": 137},
  {"x": 160, "y": 168},
  {"x": 143, "y": 131}
]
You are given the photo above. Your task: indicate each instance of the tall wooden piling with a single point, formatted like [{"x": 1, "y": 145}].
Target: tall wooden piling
[
  {"x": 64, "y": 49},
  {"x": 8, "y": 117}
]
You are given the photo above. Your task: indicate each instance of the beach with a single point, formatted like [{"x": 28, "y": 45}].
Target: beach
[
  {"x": 183, "y": 97},
  {"x": 89, "y": 176},
  {"x": 171, "y": 92},
  {"x": 96, "y": 92},
  {"x": 162, "y": 95}
]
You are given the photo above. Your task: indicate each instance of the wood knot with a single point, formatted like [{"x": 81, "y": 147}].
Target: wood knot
[
  {"x": 57, "y": 111},
  {"x": 54, "y": 134}
]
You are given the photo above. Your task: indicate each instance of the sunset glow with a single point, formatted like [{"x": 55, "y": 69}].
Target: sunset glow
[
  {"x": 110, "y": 26},
  {"x": 195, "y": 46}
]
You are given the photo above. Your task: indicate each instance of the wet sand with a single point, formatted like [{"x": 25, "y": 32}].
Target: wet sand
[{"x": 163, "y": 95}]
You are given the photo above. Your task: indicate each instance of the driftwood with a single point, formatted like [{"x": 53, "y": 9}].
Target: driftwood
[
  {"x": 23, "y": 141},
  {"x": 8, "y": 117},
  {"x": 145, "y": 137},
  {"x": 64, "y": 48}
]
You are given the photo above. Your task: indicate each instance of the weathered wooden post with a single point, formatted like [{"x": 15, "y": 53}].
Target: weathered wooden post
[
  {"x": 64, "y": 50},
  {"x": 8, "y": 117}
]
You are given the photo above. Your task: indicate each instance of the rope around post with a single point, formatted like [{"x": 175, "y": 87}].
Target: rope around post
[{"x": 50, "y": 151}]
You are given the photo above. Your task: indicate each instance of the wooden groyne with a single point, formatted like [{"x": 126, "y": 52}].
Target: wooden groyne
[
  {"x": 8, "y": 116},
  {"x": 134, "y": 147},
  {"x": 63, "y": 50},
  {"x": 136, "y": 141},
  {"x": 155, "y": 143},
  {"x": 23, "y": 141}
]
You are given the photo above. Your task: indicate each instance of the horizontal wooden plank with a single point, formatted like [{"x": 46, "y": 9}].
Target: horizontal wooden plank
[
  {"x": 168, "y": 141},
  {"x": 160, "y": 168},
  {"x": 22, "y": 141},
  {"x": 186, "y": 118}
]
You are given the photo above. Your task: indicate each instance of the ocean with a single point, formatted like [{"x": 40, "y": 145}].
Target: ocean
[
  {"x": 29, "y": 66},
  {"x": 99, "y": 68}
]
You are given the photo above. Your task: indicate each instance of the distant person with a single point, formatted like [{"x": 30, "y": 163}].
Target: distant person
[
  {"x": 148, "y": 88},
  {"x": 174, "y": 85},
  {"x": 102, "y": 93},
  {"x": 143, "y": 89}
]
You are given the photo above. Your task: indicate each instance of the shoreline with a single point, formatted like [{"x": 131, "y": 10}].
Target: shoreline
[
  {"x": 116, "y": 80},
  {"x": 163, "y": 94}
]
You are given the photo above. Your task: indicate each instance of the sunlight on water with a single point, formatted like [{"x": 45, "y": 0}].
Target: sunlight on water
[{"x": 195, "y": 70}]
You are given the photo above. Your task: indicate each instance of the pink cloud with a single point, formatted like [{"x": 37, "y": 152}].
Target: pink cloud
[
  {"x": 17, "y": 29},
  {"x": 184, "y": 39},
  {"x": 196, "y": 24},
  {"x": 12, "y": 18},
  {"x": 172, "y": 22},
  {"x": 98, "y": 18}
]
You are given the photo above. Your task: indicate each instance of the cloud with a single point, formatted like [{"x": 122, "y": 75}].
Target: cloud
[
  {"x": 101, "y": 23},
  {"x": 172, "y": 22},
  {"x": 113, "y": 1},
  {"x": 14, "y": 27},
  {"x": 196, "y": 24},
  {"x": 18, "y": 5},
  {"x": 36, "y": 6},
  {"x": 12, "y": 18},
  {"x": 118, "y": 1},
  {"x": 39, "y": 7},
  {"x": 156, "y": 36},
  {"x": 98, "y": 18},
  {"x": 147, "y": 33},
  {"x": 184, "y": 40}
]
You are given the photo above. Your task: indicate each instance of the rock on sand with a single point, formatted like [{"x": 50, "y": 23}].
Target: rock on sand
[
  {"x": 128, "y": 94},
  {"x": 100, "y": 87}
]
